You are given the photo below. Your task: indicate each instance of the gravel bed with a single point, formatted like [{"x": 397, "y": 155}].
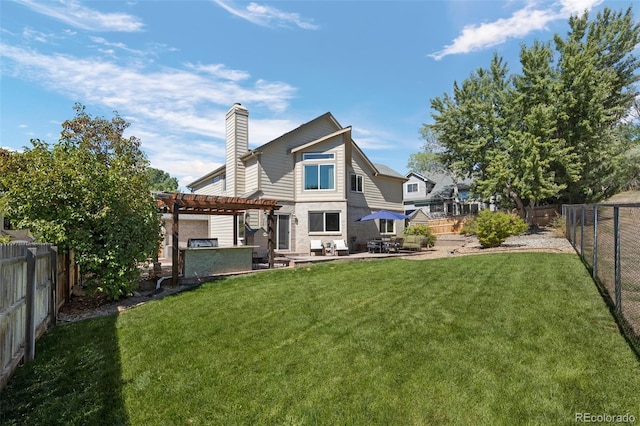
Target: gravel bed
[{"x": 543, "y": 240}]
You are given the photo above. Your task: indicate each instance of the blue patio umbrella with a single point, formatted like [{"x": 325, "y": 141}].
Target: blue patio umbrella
[{"x": 383, "y": 214}]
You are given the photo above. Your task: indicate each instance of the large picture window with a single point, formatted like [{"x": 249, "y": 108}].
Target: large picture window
[
  {"x": 319, "y": 176},
  {"x": 324, "y": 221}
]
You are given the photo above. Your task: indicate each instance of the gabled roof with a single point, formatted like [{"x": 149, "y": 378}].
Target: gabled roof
[
  {"x": 388, "y": 171},
  {"x": 220, "y": 170},
  {"x": 302, "y": 126},
  {"x": 322, "y": 139},
  {"x": 419, "y": 176},
  {"x": 443, "y": 184},
  {"x": 378, "y": 169}
]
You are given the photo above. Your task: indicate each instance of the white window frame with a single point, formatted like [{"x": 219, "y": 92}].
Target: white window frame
[
  {"x": 359, "y": 183},
  {"x": 308, "y": 156},
  {"x": 410, "y": 186},
  {"x": 319, "y": 160},
  {"x": 241, "y": 220},
  {"x": 324, "y": 222},
  {"x": 386, "y": 229}
]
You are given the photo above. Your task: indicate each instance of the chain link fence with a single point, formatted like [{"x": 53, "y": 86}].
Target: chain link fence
[{"x": 607, "y": 236}]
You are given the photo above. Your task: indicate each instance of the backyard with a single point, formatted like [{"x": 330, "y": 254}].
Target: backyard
[{"x": 508, "y": 338}]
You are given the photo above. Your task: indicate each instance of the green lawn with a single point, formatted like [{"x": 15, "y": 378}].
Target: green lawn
[{"x": 520, "y": 338}]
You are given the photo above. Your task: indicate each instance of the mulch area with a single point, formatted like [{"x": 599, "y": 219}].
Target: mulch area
[{"x": 82, "y": 306}]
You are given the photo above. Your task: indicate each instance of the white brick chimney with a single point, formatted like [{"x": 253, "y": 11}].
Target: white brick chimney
[{"x": 237, "y": 143}]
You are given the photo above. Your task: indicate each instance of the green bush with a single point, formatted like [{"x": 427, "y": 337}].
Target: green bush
[
  {"x": 429, "y": 239},
  {"x": 494, "y": 228},
  {"x": 470, "y": 227}
]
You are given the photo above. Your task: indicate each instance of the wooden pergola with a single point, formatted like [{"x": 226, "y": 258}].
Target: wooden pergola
[{"x": 178, "y": 203}]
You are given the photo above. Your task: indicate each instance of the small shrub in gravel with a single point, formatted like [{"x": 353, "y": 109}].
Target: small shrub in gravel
[{"x": 493, "y": 228}]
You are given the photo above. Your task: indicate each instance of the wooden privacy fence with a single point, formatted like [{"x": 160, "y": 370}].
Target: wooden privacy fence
[
  {"x": 545, "y": 215},
  {"x": 449, "y": 225},
  {"x": 34, "y": 282},
  {"x": 542, "y": 216}
]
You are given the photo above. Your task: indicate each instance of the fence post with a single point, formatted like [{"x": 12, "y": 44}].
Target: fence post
[
  {"x": 53, "y": 308},
  {"x": 616, "y": 244},
  {"x": 30, "y": 332},
  {"x": 575, "y": 227},
  {"x": 582, "y": 231},
  {"x": 567, "y": 222},
  {"x": 594, "y": 270},
  {"x": 175, "y": 252}
]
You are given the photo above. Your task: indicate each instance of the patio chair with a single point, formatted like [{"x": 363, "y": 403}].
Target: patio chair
[
  {"x": 316, "y": 248},
  {"x": 374, "y": 246},
  {"x": 340, "y": 247}
]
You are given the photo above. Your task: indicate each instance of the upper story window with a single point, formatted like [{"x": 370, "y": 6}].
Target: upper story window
[
  {"x": 319, "y": 175},
  {"x": 221, "y": 179},
  {"x": 357, "y": 183},
  {"x": 318, "y": 156},
  {"x": 412, "y": 187}
]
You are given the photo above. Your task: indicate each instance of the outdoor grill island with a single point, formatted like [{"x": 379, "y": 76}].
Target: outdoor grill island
[{"x": 204, "y": 258}]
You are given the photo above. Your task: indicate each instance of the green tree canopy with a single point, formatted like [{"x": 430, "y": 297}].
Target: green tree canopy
[
  {"x": 552, "y": 132},
  {"x": 161, "y": 180},
  {"x": 429, "y": 160},
  {"x": 89, "y": 192}
]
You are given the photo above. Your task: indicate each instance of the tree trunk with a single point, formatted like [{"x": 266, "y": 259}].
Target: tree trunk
[
  {"x": 529, "y": 219},
  {"x": 521, "y": 209}
]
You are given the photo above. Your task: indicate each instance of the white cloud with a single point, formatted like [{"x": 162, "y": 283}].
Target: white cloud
[
  {"x": 572, "y": 7},
  {"x": 219, "y": 70},
  {"x": 75, "y": 14},
  {"x": 266, "y": 16},
  {"x": 31, "y": 34},
  {"x": 180, "y": 97},
  {"x": 102, "y": 41},
  {"x": 520, "y": 24},
  {"x": 372, "y": 140},
  {"x": 177, "y": 113}
]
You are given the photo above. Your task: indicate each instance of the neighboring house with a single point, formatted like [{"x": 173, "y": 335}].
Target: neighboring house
[
  {"x": 316, "y": 172},
  {"x": 438, "y": 195}
]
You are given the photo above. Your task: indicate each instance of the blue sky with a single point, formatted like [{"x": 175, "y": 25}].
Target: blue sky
[{"x": 173, "y": 68}]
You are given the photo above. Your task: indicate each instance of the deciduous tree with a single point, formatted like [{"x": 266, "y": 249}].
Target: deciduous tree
[
  {"x": 89, "y": 192},
  {"x": 161, "y": 180}
]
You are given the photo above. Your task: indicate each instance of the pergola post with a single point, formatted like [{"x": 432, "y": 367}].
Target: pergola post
[
  {"x": 215, "y": 205},
  {"x": 235, "y": 229},
  {"x": 176, "y": 250},
  {"x": 272, "y": 234}
]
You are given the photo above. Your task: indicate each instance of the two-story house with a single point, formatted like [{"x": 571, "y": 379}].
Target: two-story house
[
  {"x": 317, "y": 173},
  {"x": 438, "y": 195}
]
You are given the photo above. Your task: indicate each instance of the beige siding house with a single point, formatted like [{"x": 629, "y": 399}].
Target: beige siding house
[{"x": 316, "y": 172}]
